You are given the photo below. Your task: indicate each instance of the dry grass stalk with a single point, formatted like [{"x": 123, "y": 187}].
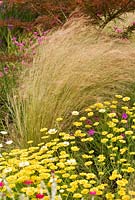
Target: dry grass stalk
[{"x": 74, "y": 67}]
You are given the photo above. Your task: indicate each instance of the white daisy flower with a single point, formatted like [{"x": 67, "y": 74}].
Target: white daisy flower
[
  {"x": 4, "y": 132},
  {"x": 102, "y": 110},
  {"x": 9, "y": 142},
  {"x": 75, "y": 113},
  {"x": 24, "y": 164},
  {"x": 71, "y": 162},
  {"x": 6, "y": 170},
  {"x": 66, "y": 143},
  {"x": 52, "y": 131}
]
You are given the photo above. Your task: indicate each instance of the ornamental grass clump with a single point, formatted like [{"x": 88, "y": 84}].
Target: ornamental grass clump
[
  {"x": 75, "y": 66},
  {"x": 93, "y": 159}
]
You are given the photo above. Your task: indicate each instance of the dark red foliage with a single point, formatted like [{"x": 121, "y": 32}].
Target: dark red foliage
[
  {"x": 49, "y": 13},
  {"x": 103, "y": 11},
  {"x": 56, "y": 12}
]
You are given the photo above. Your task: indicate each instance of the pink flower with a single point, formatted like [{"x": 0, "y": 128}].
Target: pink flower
[
  {"x": 124, "y": 116},
  {"x": 39, "y": 196},
  {"x": 91, "y": 132},
  {"x": 1, "y": 74},
  {"x": 92, "y": 192},
  {"x": 118, "y": 30},
  {"x": 88, "y": 121},
  {"x": 14, "y": 38},
  {"x": 28, "y": 182},
  {"x": 71, "y": 134},
  {"x": 96, "y": 118},
  {"x": 6, "y": 69},
  {"x": 35, "y": 33},
  {"x": 134, "y": 23},
  {"x": 123, "y": 135},
  {"x": 10, "y": 26},
  {"x": 99, "y": 14},
  {"x": 1, "y": 184},
  {"x": 52, "y": 172},
  {"x": 1, "y": 2}
]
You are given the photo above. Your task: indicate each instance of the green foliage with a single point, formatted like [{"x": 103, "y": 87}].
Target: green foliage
[{"x": 13, "y": 20}]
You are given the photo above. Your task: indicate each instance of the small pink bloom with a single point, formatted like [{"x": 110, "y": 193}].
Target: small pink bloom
[
  {"x": 71, "y": 134},
  {"x": 91, "y": 132},
  {"x": 124, "y": 116},
  {"x": 134, "y": 23},
  {"x": 35, "y": 33},
  {"x": 14, "y": 38},
  {"x": 1, "y": 2},
  {"x": 99, "y": 14},
  {"x": 39, "y": 196},
  {"x": 6, "y": 69},
  {"x": 88, "y": 121},
  {"x": 28, "y": 182},
  {"x": 92, "y": 192},
  {"x": 45, "y": 32},
  {"x": 1, "y": 74},
  {"x": 123, "y": 135},
  {"x": 10, "y": 26},
  {"x": 96, "y": 118},
  {"x": 118, "y": 30},
  {"x": 53, "y": 173},
  {"x": 1, "y": 184}
]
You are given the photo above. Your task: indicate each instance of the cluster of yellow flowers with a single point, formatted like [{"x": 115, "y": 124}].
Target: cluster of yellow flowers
[{"x": 92, "y": 160}]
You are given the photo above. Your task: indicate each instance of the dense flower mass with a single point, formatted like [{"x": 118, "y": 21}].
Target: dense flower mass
[{"x": 92, "y": 160}]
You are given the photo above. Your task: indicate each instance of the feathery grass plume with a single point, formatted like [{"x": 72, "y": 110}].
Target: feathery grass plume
[{"x": 75, "y": 66}]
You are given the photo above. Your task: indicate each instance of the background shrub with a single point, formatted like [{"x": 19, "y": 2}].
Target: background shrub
[{"x": 102, "y": 12}]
